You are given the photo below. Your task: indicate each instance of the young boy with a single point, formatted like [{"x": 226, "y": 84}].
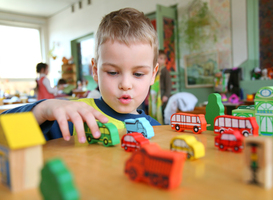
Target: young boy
[{"x": 124, "y": 68}]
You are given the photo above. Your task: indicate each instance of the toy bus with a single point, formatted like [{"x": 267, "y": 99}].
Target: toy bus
[
  {"x": 109, "y": 134},
  {"x": 185, "y": 121},
  {"x": 245, "y": 125},
  {"x": 157, "y": 167}
]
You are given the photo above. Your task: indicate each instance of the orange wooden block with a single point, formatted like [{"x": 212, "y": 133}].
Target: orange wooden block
[{"x": 157, "y": 167}]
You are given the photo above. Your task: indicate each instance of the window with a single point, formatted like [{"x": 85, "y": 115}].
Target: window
[
  {"x": 242, "y": 123},
  {"x": 178, "y": 117},
  {"x": 20, "y": 51},
  {"x": 188, "y": 118},
  {"x": 235, "y": 123},
  {"x": 193, "y": 119},
  {"x": 228, "y": 122}
]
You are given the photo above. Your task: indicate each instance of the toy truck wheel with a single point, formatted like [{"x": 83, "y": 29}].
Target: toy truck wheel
[
  {"x": 132, "y": 173},
  {"x": 221, "y": 131},
  {"x": 246, "y": 134},
  {"x": 177, "y": 127},
  {"x": 125, "y": 148},
  {"x": 154, "y": 179},
  {"x": 105, "y": 142},
  {"x": 89, "y": 139},
  {"x": 195, "y": 129},
  {"x": 165, "y": 182}
]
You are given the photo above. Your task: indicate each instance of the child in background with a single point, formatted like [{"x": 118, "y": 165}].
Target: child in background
[
  {"x": 44, "y": 90},
  {"x": 124, "y": 68},
  {"x": 161, "y": 90},
  {"x": 165, "y": 79}
]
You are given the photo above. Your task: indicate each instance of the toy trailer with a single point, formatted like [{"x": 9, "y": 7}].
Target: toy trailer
[
  {"x": 109, "y": 134},
  {"x": 185, "y": 121},
  {"x": 133, "y": 141},
  {"x": 157, "y": 167},
  {"x": 140, "y": 125}
]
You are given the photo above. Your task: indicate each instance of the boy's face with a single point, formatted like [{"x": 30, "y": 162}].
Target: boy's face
[
  {"x": 124, "y": 74},
  {"x": 161, "y": 60}
]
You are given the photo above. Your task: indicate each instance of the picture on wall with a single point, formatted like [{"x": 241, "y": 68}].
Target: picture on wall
[{"x": 200, "y": 69}]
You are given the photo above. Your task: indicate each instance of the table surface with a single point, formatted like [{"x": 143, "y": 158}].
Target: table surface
[{"x": 99, "y": 172}]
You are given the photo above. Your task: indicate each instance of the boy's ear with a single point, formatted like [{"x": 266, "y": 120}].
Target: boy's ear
[
  {"x": 94, "y": 70},
  {"x": 154, "y": 74}
]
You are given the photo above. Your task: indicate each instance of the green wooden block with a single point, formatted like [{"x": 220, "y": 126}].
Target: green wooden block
[
  {"x": 214, "y": 108},
  {"x": 57, "y": 182}
]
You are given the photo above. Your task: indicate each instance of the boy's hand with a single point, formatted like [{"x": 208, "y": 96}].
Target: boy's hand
[{"x": 76, "y": 112}]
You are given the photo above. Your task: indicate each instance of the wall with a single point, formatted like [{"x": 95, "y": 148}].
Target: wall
[{"x": 66, "y": 26}]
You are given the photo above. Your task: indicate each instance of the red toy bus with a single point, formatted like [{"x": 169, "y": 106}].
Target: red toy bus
[
  {"x": 133, "y": 141},
  {"x": 245, "y": 125},
  {"x": 185, "y": 121}
]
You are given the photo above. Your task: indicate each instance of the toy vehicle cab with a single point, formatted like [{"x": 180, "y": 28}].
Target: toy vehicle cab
[
  {"x": 229, "y": 140},
  {"x": 188, "y": 144},
  {"x": 140, "y": 125},
  {"x": 133, "y": 141}
]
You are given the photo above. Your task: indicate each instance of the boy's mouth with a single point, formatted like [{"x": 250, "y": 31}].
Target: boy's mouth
[{"x": 125, "y": 99}]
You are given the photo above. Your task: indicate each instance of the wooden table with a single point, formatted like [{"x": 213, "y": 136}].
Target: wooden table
[{"x": 99, "y": 173}]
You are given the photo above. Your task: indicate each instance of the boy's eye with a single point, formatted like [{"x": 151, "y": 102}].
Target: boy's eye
[
  {"x": 112, "y": 73},
  {"x": 138, "y": 74}
]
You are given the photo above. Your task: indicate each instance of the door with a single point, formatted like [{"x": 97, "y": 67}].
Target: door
[{"x": 165, "y": 22}]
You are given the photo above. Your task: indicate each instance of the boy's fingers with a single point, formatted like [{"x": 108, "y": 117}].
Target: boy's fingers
[
  {"x": 78, "y": 124},
  {"x": 92, "y": 124},
  {"x": 63, "y": 124}
]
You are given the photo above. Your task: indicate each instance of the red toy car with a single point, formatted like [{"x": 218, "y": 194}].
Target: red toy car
[
  {"x": 133, "y": 141},
  {"x": 229, "y": 140}
]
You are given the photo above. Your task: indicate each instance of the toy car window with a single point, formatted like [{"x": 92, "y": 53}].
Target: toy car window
[
  {"x": 139, "y": 126},
  {"x": 198, "y": 120},
  {"x": 129, "y": 138},
  {"x": 188, "y": 118},
  {"x": 178, "y": 117},
  {"x": 180, "y": 143},
  {"x": 235, "y": 123},
  {"x": 242, "y": 123},
  {"x": 216, "y": 122},
  {"x": 225, "y": 137},
  {"x": 173, "y": 118},
  {"x": 248, "y": 124},
  {"x": 232, "y": 137},
  {"x": 228, "y": 122},
  {"x": 193, "y": 119}
]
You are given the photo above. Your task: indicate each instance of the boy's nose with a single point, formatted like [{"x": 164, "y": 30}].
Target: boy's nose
[{"x": 125, "y": 84}]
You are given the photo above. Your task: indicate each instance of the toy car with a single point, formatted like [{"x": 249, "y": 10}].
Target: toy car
[
  {"x": 229, "y": 140},
  {"x": 140, "y": 125},
  {"x": 133, "y": 141},
  {"x": 188, "y": 144}
]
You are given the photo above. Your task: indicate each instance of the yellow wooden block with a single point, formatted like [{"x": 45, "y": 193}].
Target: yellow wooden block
[{"x": 20, "y": 130}]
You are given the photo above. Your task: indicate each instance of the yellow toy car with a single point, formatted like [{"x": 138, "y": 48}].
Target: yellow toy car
[{"x": 188, "y": 144}]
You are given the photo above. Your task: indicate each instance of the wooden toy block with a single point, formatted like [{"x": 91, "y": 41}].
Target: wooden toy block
[
  {"x": 244, "y": 111},
  {"x": 140, "y": 125},
  {"x": 57, "y": 182},
  {"x": 229, "y": 139},
  {"x": 247, "y": 126},
  {"x": 109, "y": 134},
  {"x": 258, "y": 161},
  {"x": 214, "y": 108},
  {"x": 186, "y": 121},
  {"x": 188, "y": 144},
  {"x": 264, "y": 110},
  {"x": 157, "y": 167},
  {"x": 133, "y": 141},
  {"x": 21, "y": 142}
]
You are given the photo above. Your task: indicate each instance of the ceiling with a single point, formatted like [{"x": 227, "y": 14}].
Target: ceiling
[{"x": 39, "y": 8}]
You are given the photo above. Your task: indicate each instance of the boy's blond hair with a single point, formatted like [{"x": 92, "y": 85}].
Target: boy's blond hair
[{"x": 127, "y": 26}]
